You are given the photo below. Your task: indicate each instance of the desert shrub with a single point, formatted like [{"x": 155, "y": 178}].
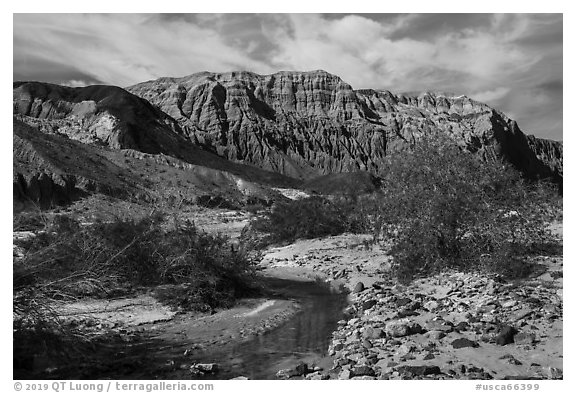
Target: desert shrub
[
  {"x": 69, "y": 259},
  {"x": 66, "y": 260},
  {"x": 29, "y": 220},
  {"x": 215, "y": 201},
  {"x": 307, "y": 218},
  {"x": 441, "y": 207},
  {"x": 39, "y": 332}
]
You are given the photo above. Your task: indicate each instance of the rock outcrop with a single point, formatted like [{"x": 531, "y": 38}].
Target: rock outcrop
[
  {"x": 298, "y": 124},
  {"x": 548, "y": 152},
  {"x": 52, "y": 170},
  {"x": 105, "y": 115},
  {"x": 305, "y": 124},
  {"x": 111, "y": 117}
]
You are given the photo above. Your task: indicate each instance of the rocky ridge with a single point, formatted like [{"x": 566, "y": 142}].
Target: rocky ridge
[
  {"x": 103, "y": 115},
  {"x": 305, "y": 124},
  {"x": 51, "y": 169},
  {"x": 108, "y": 124}
]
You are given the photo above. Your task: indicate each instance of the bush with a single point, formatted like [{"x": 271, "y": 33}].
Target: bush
[
  {"x": 67, "y": 260},
  {"x": 441, "y": 207},
  {"x": 70, "y": 260},
  {"x": 307, "y": 218},
  {"x": 39, "y": 332}
]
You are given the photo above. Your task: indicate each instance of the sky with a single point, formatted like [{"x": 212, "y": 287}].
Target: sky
[{"x": 512, "y": 62}]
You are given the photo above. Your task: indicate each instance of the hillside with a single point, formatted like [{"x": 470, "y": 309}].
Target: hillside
[
  {"x": 238, "y": 131},
  {"x": 305, "y": 124},
  {"x": 51, "y": 169}
]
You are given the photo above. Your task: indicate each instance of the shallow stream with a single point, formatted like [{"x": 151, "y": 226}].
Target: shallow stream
[{"x": 305, "y": 337}]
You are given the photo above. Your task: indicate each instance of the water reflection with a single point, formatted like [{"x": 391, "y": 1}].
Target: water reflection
[{"x": 303, "y": 338}]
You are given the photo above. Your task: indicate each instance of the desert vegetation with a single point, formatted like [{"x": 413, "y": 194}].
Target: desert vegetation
[
  {"x": 438, "y": 207},
  {"x": 308, "y": 218},
  {"x": 68, "y": 260},
  {"x": 441, "y": 207}
]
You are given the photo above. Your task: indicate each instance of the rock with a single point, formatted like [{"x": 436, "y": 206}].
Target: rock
[
  {"x": 99, "y": 114},
  {"x": 353, "y": 337},
  {"x": 405, "y": 349},
  {"x": 403, "y": 301},
  {"x": 359, "y": 287},
  {"x": 511, "y": 359},
  {"x": 431, "y": 305},
  {"x": 521, "y": 314},
  {"x": 506, "y": 335},
  {"x": 489, "y": 318},
  {"x": 419, "y": 370},
  {"x": 353, "y": 321},
  {"x": 208, "y": 368},
  {"x": 555, "y": 373},
  {"x": 41, "y": 175},
  {"x": 240, "y": 378},
  {"x": 363, "y": 370},
  {"x": 195, "y": 372},
  {"x": 402, "y": 327},
  {"x": 525, "y": 338},
  {"x": 345, "y": 374},
  {"x": 316, "y": 376},
  {"x": 373, "y": 333},
  {"x": 397, "y": 329},
  {"x": 369, "y": 304},
  {"x": 301, "y": 368},
  {"x": 366, "y": 344},
  {"x": 463, "y": 343},
  {"x": 286, "y": 373},
  {"x": 509, "y": 304},
  {"x": 440, "y": 325},
  {"x": 435, "y": 335}
]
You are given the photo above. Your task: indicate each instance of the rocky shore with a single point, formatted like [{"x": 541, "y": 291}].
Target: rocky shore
[{"x": 450, "y": 326}]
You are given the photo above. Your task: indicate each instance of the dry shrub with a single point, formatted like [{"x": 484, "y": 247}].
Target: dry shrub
[{"x": 441, "y": 207}]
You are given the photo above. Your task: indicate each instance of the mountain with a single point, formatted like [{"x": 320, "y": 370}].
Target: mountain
[
  {"x": 51, "y": 169},
  {"x": 104, "y": 115},
  {"x": 307, "y": 124},
  {"x": 71, "y": 142},
  {"x": 112, "y": 117},
  {"x": 240, "y": 134}
]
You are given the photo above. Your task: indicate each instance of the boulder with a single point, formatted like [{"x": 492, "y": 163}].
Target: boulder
[
  {"x": 506, "y": 335},
  {"x": 402, "y": 327},
  {"x": 208, "y": 368},
  {"x": 359, "y": 287},
  {"x": 464, "y": 343},
  {"x": 525, "y": 338},
  {"x": 419, "y": 370}
]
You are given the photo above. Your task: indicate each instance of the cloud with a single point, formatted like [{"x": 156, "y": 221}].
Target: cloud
[
  {"x": 513, "y": 61},
  {"x": 490, "y": 95},
  {"x": 124, "y": 49},
  {"x": 363, "y": 53},
  {"x": 75, "y": 83}
]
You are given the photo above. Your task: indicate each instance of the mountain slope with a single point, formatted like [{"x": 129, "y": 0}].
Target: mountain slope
[
  {"x": 105, "y": 115},
  {"x": 305, "y": 124},
  {"x": 111, "y": 116},
  {"x": 50, "y": 169}
]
